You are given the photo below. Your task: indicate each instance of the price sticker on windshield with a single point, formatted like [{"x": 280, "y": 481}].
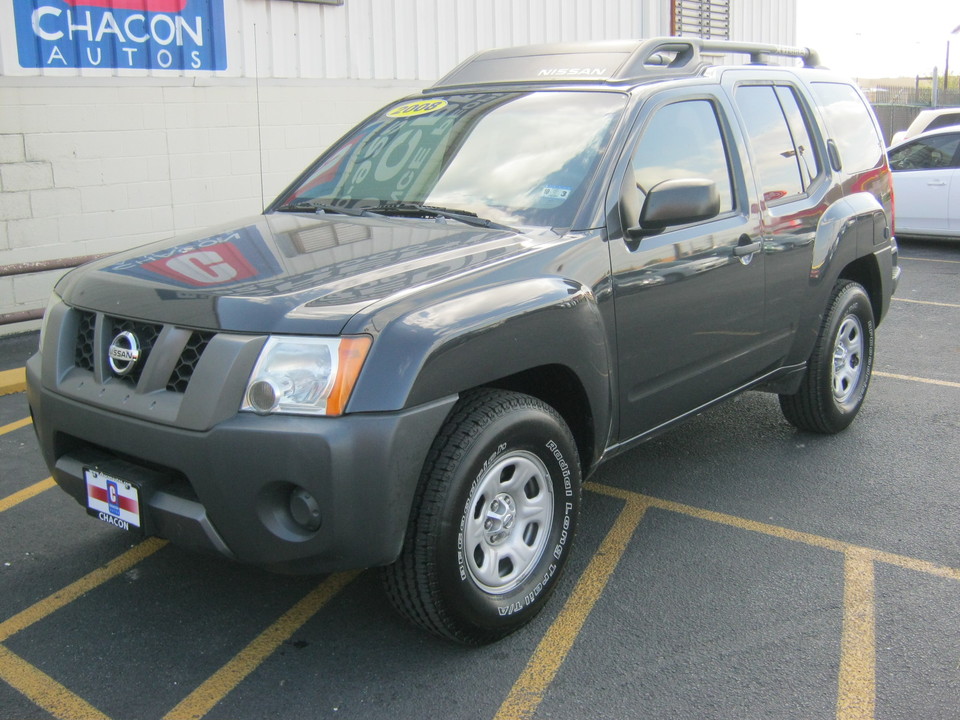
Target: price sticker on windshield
[{"x": 419, "y": 107}]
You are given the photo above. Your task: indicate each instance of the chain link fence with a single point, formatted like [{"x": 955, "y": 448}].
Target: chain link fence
[{"x": 896, "y": 105}]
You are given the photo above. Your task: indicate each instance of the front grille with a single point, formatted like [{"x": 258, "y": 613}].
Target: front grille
[
  {"x": 83, "y": 352},
  {"x": 188, "y": 345},
  {"x": 180, "y": 377},
  {"x": 146, "y": 333}
]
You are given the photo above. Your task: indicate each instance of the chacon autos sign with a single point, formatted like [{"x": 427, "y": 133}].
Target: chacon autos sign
[{"x": 129, "y": 34}]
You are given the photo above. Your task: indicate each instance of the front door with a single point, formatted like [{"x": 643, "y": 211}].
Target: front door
[{"x": 689, "y": 305}]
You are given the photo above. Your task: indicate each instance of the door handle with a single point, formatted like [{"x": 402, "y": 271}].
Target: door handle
[{"x": 747, "y": 249}]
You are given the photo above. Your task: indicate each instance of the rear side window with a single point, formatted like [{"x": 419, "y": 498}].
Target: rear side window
[
  {"x": 850, "y": 126},
  {"x": 937, "y": 151},
  {"x": 683, "y": 140},
  {"x": 775, "y": 154},
  {"x": 800, "y": 130}
]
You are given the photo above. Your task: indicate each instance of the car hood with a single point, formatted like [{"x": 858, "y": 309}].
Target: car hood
[{"x": 286, "y": 272}]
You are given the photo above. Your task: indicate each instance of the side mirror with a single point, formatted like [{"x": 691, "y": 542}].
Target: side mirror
[{"x": 677, "y": 202}]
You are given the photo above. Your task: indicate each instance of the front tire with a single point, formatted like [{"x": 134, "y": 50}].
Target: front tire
[
  {"x": 493, "y": 520},
  {"x": 839, "y": 369}
]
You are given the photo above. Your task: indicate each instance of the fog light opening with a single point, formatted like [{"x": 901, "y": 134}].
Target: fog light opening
[{"x": 305, "y": 510}]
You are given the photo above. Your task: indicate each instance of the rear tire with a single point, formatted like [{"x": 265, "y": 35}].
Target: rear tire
[
  {"x": 493, "y": 521},
  {"x": 839, "y": 369}
]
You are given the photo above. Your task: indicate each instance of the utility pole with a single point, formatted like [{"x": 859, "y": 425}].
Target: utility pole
[
  {"x": 946, "y": 64},
  {"x": 946, "y": 69}
]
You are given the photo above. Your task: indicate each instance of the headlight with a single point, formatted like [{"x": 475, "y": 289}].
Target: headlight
[
  {"x": 51, "y": 304},
  {"x": 305, "y": 376}
]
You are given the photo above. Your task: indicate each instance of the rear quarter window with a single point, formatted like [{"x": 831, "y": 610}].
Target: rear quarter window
[{"x": 850, "y": 125}]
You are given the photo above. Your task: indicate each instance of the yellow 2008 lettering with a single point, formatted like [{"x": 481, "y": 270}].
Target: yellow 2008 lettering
[{"x": 419, "y": 107}]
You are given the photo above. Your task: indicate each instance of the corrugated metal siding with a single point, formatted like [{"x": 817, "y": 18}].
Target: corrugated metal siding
[
  {"x": 422, "y": 39},
  {"x": 764, "y": 21},
  {"x": 419, "y": 39}
]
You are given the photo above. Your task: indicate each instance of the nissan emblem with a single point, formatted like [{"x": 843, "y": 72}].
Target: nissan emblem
[{"x": 124, "y": 353}]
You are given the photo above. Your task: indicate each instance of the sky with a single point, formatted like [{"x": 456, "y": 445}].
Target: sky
[{"x": 881, "y": 38}]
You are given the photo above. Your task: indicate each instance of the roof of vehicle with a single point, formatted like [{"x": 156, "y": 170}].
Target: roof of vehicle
[
  {"x": 617, "y": 62},
  {"x": 921, "y": 122},
  {"x": 928, "y": 133}
]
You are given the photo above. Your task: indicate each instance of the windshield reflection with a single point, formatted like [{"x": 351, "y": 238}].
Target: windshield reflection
[{"x": 514, "y": 158}]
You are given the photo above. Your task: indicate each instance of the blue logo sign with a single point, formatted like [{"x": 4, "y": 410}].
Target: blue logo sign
[{"x": 128, "y": 34}]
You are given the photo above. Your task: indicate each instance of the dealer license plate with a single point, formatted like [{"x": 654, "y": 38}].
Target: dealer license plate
[{"x": 113, "y": 500}]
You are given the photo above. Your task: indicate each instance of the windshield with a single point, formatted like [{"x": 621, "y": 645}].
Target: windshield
[{"x": 513, "y": 158}]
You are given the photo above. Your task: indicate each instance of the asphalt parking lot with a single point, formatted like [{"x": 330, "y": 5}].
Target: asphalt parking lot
[{"x": 734, "y": 568}]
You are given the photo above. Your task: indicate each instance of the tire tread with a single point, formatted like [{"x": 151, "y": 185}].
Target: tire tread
[
  {"x": 410, "y": 582},
  {"x": 808, "y": 409}
]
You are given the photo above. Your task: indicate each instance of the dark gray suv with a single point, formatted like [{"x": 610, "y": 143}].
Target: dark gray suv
[{"x": 415, "y": 355}]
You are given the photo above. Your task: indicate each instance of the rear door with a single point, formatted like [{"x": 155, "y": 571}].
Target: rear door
[
  {"x": 689, "y": 310},
  {"x": 792, "y": 186}
]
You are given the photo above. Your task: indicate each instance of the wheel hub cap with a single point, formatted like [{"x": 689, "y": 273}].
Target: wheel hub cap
[
  {"x": 847, "y": 368},
  {"x": 501, "y": 518},
  {"x": 507, "y": 523}
]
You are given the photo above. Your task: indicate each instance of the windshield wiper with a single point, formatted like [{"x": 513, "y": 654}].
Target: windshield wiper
[
  {"x": 317, "y": 207},
  {"x": 411, "y": 209}
]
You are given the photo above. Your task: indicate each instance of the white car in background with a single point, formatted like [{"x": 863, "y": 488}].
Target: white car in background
[
  {"x": 926, "y": 183},
  {"x": 926, "y": 120}
]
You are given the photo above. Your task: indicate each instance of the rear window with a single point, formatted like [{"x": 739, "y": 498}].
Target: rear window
[
  {"x": 850, "y": 125},
  {"x": 944, "y": 121}
]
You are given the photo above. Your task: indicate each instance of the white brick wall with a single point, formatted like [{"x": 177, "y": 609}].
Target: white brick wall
[{"x": 90, "y": 166}]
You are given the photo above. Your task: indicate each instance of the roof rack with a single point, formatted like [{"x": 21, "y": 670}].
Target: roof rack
[{"x": 617, "y": 61}]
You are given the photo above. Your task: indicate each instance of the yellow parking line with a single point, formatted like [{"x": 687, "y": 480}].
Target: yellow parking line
[
  {"x": 217, "y": 686},
  {"x": 28, "y": 492},
  {"x": 788, "y": 534},
  {"x": 926, "y": 302},
  {"x": 857, "y": 676},
  {"x": 916, "y": 259},
  {"x": 16, "y": 425},
  {"x": 527, "y": 692},
  {"x": 43, "y": 690},
  {"x": 88, "y": 582},
  {"x": 911, "y": 378},
  {"x": 13, "y": 381},
  {"x": 856, "y": 696}
]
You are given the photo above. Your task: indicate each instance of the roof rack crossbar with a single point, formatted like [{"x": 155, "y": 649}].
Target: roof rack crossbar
[
  {"x": 612, "y": 61},
  {"x": 689, "y": 54},
  {"x": 758, "y": 51}
]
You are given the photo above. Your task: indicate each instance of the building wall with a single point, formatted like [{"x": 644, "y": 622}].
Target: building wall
[{"x": 97, "y": 159}]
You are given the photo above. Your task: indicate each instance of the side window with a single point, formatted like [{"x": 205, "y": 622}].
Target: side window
[
  {"x": 850, "y": 126},
  {"x": 929, "y": 153},
  {"x": 683, "y": 140},
  {"x": 944, "y": 121},
  {"x": 800, "y": 129},
  {"x": 775, "y": 155}
]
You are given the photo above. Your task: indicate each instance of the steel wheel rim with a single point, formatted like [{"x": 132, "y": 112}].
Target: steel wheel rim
[
  {"x": 507, "y": 522},
  {"x": 848, "y": 359}
]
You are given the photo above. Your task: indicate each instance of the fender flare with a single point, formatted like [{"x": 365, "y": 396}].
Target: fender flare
[
  {"x": 492, "y": 332},
  {"x": 847, "y": 232}
]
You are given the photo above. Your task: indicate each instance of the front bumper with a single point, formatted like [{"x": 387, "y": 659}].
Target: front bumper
[{"x": 227, "y": 490}]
